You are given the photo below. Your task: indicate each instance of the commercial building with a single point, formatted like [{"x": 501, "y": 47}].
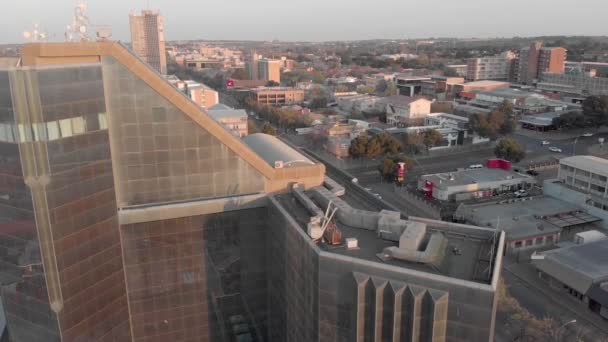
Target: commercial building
[
  {"x": 233, "y": 119},
  {"x": 277, "y": 96},
  {"x": 409, "y": 85},
  {"x": 440, "y": 87},
  {"x": 361, "y": 103},
  {"x": 128, "y": 214},
  {"x": 466, "y": 90},
  {"x": 405, "y": 110},
  {"x": 523, "y": 102},
  {"x": 530, "y": 223},
  {"x": 536, "y": 60},
  {"x": 581, "y": 84},
  {"x": 580, "y": 270},
  {"x": 472, "y": 183},
  {"x": 459, "y": 69},
  {"x": 201, "y": 94},
  {"x": 497, "y": 67},
  {"x": 148, "y": 39},
  {"x": 582, "y": 180},
  {"x": 264, "y": 69}
]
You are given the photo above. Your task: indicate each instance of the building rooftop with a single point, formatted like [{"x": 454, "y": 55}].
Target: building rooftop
[
  {"x": 262, "y": 89},
  {"x": 525, "y": 218},
  {"x": 507, "y": 93},
  {"x": 588, "y": 163},
  {"x": 544, "y": 119},
  {"x": 227, "y": 113},
  {"x": 469, "y": 263},
  {"x": 484, "y": 83},
  {"x": 580, "y": 266},
  {"x": 273, "y": 150},
  {"x": 450, "y": 116},
  {"x": 473, "y": 176}
]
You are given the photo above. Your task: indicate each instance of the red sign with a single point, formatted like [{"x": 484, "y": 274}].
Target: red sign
[
  {"x": 401, "y": 170},
  {"x": 229, "y": 83}
]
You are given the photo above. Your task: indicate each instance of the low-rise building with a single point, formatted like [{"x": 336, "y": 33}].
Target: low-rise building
[
  {"x": 530, "y": 223},
  {"x": 523, "y": 102},
  {"x": 580, "y": 271},
  {"x": 440, "y": 87},
  {"x": 583, "y": 84},
  {"x": 472, "y": 183},
  {"x": 277, "y": 95},
  {"x": 233, "y": 119},
  {"x": 360, "y": 103},
  {"x": 201, "y": 94},
  {"x": 582, "y": 180},
  {"x": 410, "y": 85},
  {"x": 459, "y": 69},
  {"x": 466, "y": 90},
  {"x": 403, "y": 110}
]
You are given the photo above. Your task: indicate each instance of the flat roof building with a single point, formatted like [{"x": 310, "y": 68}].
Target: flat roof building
[
  {"x": 233, "y": 119},
  {"x": 580, "y": 271},
  {"x": 530, "y": 223},
  {"x": 277, "y": 96},
  {"x": 472, "y": 183}
]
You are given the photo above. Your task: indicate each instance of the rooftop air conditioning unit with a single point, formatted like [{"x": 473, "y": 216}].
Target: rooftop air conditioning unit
[{"x": 278, "y": 164}]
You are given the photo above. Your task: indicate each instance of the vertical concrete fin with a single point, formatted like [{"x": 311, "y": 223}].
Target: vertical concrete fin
[
  {"x": 436, "y": 319},
  {"x": 412, "y": 313},
  {"x": 393, "y": 307},
  {"x": 378, "y": 307},
  {"x": 361, "y": 280}
]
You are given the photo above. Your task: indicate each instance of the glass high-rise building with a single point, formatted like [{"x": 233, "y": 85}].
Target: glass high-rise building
[{"x": 128, "y": 214}]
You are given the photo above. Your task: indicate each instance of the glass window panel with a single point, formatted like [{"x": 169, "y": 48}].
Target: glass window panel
[
  {"x": 25, "y": 133},
  {"x": 78, "y": 125},
  {"x": 39, "y": 131},
  {"x": 103, "y": 124},
  {"x": 66, "y": 128},
  {"x": 53, "y": 130}
]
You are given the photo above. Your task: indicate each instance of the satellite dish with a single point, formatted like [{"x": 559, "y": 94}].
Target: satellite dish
[
  {"x": 27, "y": 34},
  {"x": 43, "y": 35}
]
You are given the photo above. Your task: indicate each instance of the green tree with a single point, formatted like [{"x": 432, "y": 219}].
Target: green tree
[
  {"x": 432, "y": 138},
  {"x": 318, "y": 102},
  {"x": 365, "y": 90},
  {"x": 272, "y": 83},
  {"x": 342, "y": 89},
  {"x": 391, "y": 89},
  {"x": 268, "y": 129},
  {"x": 596, "y": 109},
  {"x": 510, "y": 149},
  {"x": 239, "y": 74},
  {"x": 374, "y": 148}
]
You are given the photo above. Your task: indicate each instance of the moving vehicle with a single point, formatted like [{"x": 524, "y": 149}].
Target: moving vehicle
[
  {"x": 520, "y": 193},
  {"x": 587, "y": 135},
  {"x": 532, "y": 172},
  {"x": 475, "y": 166},
  {"x": 555, "y": 149},
  {"x": 544, "y": 142}
]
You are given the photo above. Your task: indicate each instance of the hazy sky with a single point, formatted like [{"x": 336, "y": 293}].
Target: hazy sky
[{"x": 319, "y": 20}]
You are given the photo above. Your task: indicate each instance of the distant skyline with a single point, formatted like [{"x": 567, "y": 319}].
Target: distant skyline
[{"x": 318, "y": 20}]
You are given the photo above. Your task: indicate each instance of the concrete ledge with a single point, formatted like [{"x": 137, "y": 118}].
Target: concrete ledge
[{"x": 190, "y": 208}]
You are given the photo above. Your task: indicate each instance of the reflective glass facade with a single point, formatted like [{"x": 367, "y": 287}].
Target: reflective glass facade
[
  {"x": 59, "y": 130},
  {"x": 201, "y": 278},
  {"x": 160, "y": 154}
]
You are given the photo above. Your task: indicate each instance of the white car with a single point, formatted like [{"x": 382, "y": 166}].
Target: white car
[
  {"x": 555, "y": 149},
  {"x": 587, "y": 135},
  {"x": 545, "y": 142},
  {"x": 520, "y": 193},
  {"x": 475, "y": 166}
]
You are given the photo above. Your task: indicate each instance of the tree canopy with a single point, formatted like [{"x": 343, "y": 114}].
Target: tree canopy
[
  {"x": 499, "y": 122},
  {"x": 383, "y": 143},
  {"x": 510, "y": 149},
  {"x": 268, "y": 129}
]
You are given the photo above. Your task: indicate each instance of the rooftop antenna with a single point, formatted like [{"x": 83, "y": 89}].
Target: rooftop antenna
[
  {"x": 35, "y": 35},
  {"x": 78, "y": 30}
]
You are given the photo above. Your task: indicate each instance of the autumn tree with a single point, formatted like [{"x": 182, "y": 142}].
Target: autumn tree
[
  {"x": 432, "y": 138},
  {"x": 510, "y": 149},
  {"x": 268, "y": 129}
]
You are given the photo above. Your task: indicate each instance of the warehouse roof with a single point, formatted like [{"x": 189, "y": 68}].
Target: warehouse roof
[
  {"x": 578, "y": 266},
  {"x": 474, "y": 176}
]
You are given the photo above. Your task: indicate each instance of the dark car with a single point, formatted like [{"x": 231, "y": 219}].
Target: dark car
[{"x": 532, "y": 172}]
